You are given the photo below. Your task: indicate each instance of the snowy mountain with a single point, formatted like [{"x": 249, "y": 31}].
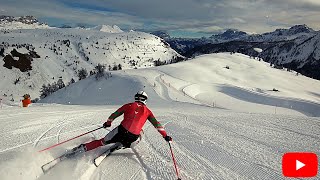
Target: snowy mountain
[
  {"x": 23, "y": 22},
  {"x": 295, "y": 48},
  {"x": 301, "y": 54},
  {"x": 228, "y": 35},
  {"x": 226, "y": 123},
  {"x": 107, "y": 28},
  {"x": 184, "y": 45},
  {"x": 33, "y": 57},
  {"x": 181, "y": 45},
  {"x": 282, "y": 34},
  {"x": 163, "y": 34}
]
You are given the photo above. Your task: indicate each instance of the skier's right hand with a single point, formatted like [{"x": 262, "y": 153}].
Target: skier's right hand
[{"x": 107, "y": 124}]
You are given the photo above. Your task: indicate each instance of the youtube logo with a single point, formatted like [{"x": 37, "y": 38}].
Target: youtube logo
[{"x": 300, "y": 164}]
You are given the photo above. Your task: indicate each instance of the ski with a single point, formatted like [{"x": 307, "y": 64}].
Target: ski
[
  {"x": 97, "y": 161},
  {"x": 69, "y": 154},
  {"x": 49, "y": 165}
]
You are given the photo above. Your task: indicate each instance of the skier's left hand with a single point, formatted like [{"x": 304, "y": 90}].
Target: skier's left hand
[{"x": 168, "y": 138}]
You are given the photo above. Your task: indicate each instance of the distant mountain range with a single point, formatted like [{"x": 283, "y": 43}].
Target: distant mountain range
[{"x": 296, "y": 48}]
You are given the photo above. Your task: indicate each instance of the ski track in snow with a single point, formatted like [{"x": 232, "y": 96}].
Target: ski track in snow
[
  {"x": 194, "y": 151},
  {"x": 57, "y": 125},
  {"x": 45, "y": 132},
  {"x": 163, "y": 89},
  {"x": 59, "y": 132}
]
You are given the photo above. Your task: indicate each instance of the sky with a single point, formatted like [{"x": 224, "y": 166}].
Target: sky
[{"x": 192, "y": 18}]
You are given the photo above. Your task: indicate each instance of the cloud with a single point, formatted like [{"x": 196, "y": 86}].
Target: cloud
[
  {"x": 206, "y": 30},
  {"x": 312, "y": 5},
  {"x": 192, "y": 15},
  {"x": 57, "y": 13}
]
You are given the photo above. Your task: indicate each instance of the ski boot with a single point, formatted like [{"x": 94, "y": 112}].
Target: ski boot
[{"x": 77, "y": 150}]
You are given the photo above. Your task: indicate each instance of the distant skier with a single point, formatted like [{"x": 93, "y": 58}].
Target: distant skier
[
  {"x": 135, "y": 116},
  {"x": 26, "y": 101}
]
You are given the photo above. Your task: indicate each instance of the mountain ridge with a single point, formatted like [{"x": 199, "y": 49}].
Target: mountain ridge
[{"x": 296, "y": 48}]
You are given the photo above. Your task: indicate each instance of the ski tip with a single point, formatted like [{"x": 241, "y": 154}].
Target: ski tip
[{"x": 44, "y": 170}]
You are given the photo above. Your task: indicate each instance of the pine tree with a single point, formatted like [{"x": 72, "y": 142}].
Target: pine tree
[
  {"x": 82, "y": 74},
  {"x": 54, "y": 87},
  {"x": 100, "y": 71},
  {"x": 61, "y": 84},
  {"x": 71, "y": 81},
  {"x": 115, "y": 67},
  {"x": 44, "y": 91}
]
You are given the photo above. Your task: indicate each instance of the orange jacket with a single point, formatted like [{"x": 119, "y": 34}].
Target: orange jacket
[{"x": 26, "y": 102}]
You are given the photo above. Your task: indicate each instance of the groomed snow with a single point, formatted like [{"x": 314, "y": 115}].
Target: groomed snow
[{"x": 224, "y": 123}]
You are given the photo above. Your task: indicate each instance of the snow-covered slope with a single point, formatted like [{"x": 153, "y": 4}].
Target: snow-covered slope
[
  {"x": 247, "y": 86},
  {"x": 63, "y": 52},
  {"x": 246, "y": 73},
  {"x": 247, "y": 80},
  {"x": 243, "y": 135}
]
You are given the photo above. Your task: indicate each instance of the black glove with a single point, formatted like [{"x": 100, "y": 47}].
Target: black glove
[
  {"x": 168, "y": 138},
  {"x": 107, "y": 124}
]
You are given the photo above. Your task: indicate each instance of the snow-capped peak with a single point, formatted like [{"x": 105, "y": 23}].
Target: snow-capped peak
[
  {"x": 290, "y": 33},
  {"x": 107, "y": 28},
  {"x": 229, "y": 34},
  {"x": 300, "y": 29}
]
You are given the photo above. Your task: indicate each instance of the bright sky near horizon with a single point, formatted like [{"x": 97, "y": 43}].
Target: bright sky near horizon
[{"x": 179, "y": 17}]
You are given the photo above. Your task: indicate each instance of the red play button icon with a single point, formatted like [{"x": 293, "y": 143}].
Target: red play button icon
[{"x": 300, "y": 164}]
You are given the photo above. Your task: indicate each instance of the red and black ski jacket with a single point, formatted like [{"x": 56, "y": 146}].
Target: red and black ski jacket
[{"x": 135, "y": 116}]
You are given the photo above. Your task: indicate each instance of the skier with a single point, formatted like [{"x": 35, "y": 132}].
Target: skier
[
  {"x": 26, "y": 101},
  {"x": 135, "y": 116}
]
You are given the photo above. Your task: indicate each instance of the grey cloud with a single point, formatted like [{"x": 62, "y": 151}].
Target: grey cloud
[{"x": 247, "y": 15}]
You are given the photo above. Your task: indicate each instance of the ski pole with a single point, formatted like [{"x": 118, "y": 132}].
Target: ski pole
[
  {"x": 68, "y": 140},
  {"x": 174, "y": 162}
]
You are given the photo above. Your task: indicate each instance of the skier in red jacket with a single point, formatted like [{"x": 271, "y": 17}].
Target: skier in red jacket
[{"x": 135, "y": 116}]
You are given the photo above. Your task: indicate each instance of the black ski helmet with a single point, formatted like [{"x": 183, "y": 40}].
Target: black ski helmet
[{"x": 141, "y": 96}]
